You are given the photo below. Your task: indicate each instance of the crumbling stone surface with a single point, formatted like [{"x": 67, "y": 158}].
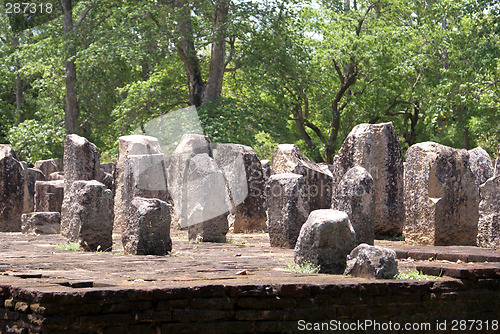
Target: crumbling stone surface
[
  {"x": 49, "y": 196},
  {"x": 372, "y": 262},
  {"x": 266, "y": 169},
  {"x": 207, "y": 201},
  {"x": 319, "y": 181},
  {"x": 89, "y": 211},
  {"x": 488, "y": 234},
  {"x": 56, "y": 176},
  {"x": 441, "y": 196},
  {"x": 147, "y": 231},
  {"x": 41, "y": 223},
  {"x": 127, "y": 146},
  {"x": 246, "y": 185},
  {"x": 355, "y": 195},
  {"x": 376, "y": 148},
  {"x": 11, "y": 190},
  {"x": 31, "y": 176},
  {"x": 325, "y": 240},
  {"x": 481, "y": 165},
  {"x": 287, "y": 208},
  {"x": 48, "y": 166},
  {"x": 189, "y": 146}
]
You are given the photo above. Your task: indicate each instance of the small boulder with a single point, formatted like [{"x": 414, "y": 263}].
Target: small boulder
[
  {"x": 372, "y": 262},
  {"x": 56, "y": 176},
  {"x": 147, "y": 231},
  {"x": 325, "y": 240},
  {"x": 41, "y": 223}
]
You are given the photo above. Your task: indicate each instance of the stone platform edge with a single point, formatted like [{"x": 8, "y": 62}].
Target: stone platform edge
[{"x": 239, "y": 306}]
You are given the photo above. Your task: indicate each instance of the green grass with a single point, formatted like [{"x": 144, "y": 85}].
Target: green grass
[
  {"x": 306, "y": 268},
  {"x": 414, "y": 274},
  {"x": 69, "y": 246}
]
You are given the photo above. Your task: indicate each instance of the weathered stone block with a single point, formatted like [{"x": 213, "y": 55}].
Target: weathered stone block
[
  {"x": 47, "y": 166},
  {"x": 189, "y": 146},
  {"x": 49, "y": 196},
  {"x": 206, "y": 203},
  {"x": 488, "y": 234},
  {"x": 89, "y": 211},
  {"x": 319, "y": 181},
  {"x": 127, "y": 146},
  {"x": 266, "y": 169},
  {"x": 287, "y": 208},
  {"x": 11, "y": 190},
  {"x": 481, "y": 165},
  {"x": 147, "y": 231},
  {"x": 355, "y": 195},
  {"x": 31, "y": 176},
  {"x": 325, "y": 240},
  {"x": 372, "y": 262},
  {"x": 376, "y": 148},
  {"x": 246, "y": 185},
  {"x": 441, "y": 196},
  {"x": 56, "y": 176},
  {"x": 41, "y": 223}
]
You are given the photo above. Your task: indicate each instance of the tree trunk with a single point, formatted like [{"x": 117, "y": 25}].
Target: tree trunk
[
  {"x": 213, "y": 88},
  {"x": 71, "y": 109},
  {"x": 187, "y": 52},
  {"x": 19, "y": 86}
]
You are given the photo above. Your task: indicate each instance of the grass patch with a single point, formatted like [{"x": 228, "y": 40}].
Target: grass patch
[
  {"x": 233, "y": 241},
  {"x": 69, "y": 246},
  {"x": 306, "y": 268},
  {"x": 414, "y": 274}
]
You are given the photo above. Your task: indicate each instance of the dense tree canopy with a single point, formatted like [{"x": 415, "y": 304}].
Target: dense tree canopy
[{"x": 260, "y": 72}]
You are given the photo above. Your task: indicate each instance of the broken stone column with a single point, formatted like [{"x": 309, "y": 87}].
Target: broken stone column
[
  {"x": 287, "y": 208},
  {"x": 31, "y": 176},
  {"x": 47, "y": 166},
  {"x": 488, "y": 234},
  {"x": 127, "y": 146},
  {"x": 319, "y": 181},
  {"x": 81, "y": 162},
  {"x": 246, "y": 186},
  {"x": 89, "y": 206},
  {"x": 147, "y": 231},
  {"x": 49, "y": 196},
  {"x": 206, "y": 203},
  {"x": 355, "y": 195},
  {"x": 376, "y": 148},
  {"x": 11, "y": 190},
  {"x": 325, "y": 240},
  {"x": 189, "y": 146},
  {"x": 441, "y": 196},
  {"x": 481, "y": 165},
  {"x": 41, "y": 223},
  {"x": 372, "y": 262}
]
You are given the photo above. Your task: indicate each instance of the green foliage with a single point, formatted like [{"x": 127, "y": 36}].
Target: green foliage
[
  {"x": 69, "y": 246},
  {"x": 306, "y": 268},
  {"x": 33, "y": 140},
  {"x": 414, "y": 275}
]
